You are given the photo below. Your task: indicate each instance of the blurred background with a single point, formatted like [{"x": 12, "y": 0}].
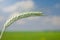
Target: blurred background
[{"x": 32, "y": 28}]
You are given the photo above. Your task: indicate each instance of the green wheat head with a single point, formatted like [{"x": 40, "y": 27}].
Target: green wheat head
[{"x": 20, "y": 16}]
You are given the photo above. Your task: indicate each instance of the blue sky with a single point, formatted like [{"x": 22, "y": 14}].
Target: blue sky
[{"x": 48, "y": 7}]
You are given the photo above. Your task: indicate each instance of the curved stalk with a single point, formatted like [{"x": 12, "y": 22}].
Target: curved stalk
[{"x": 17, "y": 17}]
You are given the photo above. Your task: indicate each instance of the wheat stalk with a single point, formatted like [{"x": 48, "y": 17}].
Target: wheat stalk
[{"x": 17, "y": 17}]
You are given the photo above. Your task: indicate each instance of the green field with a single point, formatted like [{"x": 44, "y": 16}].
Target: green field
[{"x": 31, "y": 36}]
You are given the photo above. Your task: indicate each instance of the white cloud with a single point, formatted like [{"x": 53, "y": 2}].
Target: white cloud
[
  {"x": 56, "y": 20},
  {"x": 53, "y": 20},
  {"x": 1, "y": 0},
  {"x": 22, "y": 5},
  {"x": 10, "y": 8},
  {"x": 47, "y": 20}
]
